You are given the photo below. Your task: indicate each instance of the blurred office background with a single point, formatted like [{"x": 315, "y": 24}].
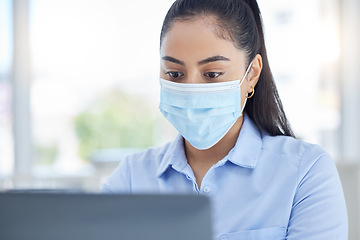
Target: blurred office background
[{"x": 79, "y": 86}]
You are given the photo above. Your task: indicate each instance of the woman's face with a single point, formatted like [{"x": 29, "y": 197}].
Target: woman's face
[{"x": 191, "y": 52}]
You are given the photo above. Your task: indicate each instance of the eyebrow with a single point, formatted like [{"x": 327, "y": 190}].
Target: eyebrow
[
  {"x": 202, "y": 62},
  {"x": 213, "y": 59},
  {"x": 174, "y": 60}
]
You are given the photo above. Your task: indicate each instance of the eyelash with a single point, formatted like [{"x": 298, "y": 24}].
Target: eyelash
[
  {"x": 170, "y": 74},
  {"x": 218, "y": 74}
]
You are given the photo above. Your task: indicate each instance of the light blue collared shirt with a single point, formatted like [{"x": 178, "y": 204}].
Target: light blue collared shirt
[{"x": 266, "y": 188}]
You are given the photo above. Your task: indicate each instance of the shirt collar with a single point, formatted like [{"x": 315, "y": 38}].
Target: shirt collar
[
  {"x": 245, "y": 153},
  {"x": 174, "y": 156}
]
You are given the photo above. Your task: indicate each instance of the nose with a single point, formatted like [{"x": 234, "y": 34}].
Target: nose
[{"x": 194, "y": 78}]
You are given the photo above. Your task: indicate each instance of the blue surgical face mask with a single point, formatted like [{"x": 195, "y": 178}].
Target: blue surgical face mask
[{"x": 202, "y": 113}]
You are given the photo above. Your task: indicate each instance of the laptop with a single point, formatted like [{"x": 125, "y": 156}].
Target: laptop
[{"x": 84, "y": 216}]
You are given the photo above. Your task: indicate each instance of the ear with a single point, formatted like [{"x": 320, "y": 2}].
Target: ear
[{"x": 254, "y": 73}]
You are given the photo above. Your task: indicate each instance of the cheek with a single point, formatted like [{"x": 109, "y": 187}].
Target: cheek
[
  {"x": 161, "y": 72},
  {"x": 244, "y": 92}
]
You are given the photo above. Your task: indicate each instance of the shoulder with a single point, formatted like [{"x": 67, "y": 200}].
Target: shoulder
[
  {"x": 318, "y": 207},
  {"x": 294, "y": 148},
  {"x": 148, "y": 160},
  {"x": 300, "y": 153},
  {"x": 141, "y": 167},
  {"x": 285, "y": 145},
  {"x": 152, "y": 156}
]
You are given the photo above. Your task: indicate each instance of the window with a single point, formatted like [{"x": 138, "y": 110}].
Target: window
[
  {"x": 6, "y": 137},
  {"x": 94, "y": 93},
  {"x": 303, "y": 45},
  {"x": 94, "y": 86}
]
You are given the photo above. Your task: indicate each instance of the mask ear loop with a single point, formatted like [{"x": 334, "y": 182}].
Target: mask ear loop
[{"x": 246, "y": 73}]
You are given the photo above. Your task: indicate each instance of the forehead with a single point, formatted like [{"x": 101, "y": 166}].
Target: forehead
[{"x": 196, "y": 38}]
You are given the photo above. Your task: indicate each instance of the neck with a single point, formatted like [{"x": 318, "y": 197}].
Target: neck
[
  {"x": 214, "y": 154},
  {"x": 201, "y": 161}
]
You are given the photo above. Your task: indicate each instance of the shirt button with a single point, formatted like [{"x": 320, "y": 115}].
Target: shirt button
[{"x": 206, "y": 189}]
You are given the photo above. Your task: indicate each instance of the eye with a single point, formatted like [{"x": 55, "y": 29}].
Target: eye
[
  {"x": 175, "y": 74},
  {"x": 213, "y": 74}
]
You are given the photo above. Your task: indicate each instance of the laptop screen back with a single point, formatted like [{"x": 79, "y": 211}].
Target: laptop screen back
[{"x": 59, "y": 216}]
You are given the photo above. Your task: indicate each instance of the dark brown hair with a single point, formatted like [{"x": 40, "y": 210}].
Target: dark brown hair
[{"x": 240, "y": 22}]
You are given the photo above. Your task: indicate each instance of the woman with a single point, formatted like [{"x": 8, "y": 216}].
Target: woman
[{"x": 235, "y": 143}]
